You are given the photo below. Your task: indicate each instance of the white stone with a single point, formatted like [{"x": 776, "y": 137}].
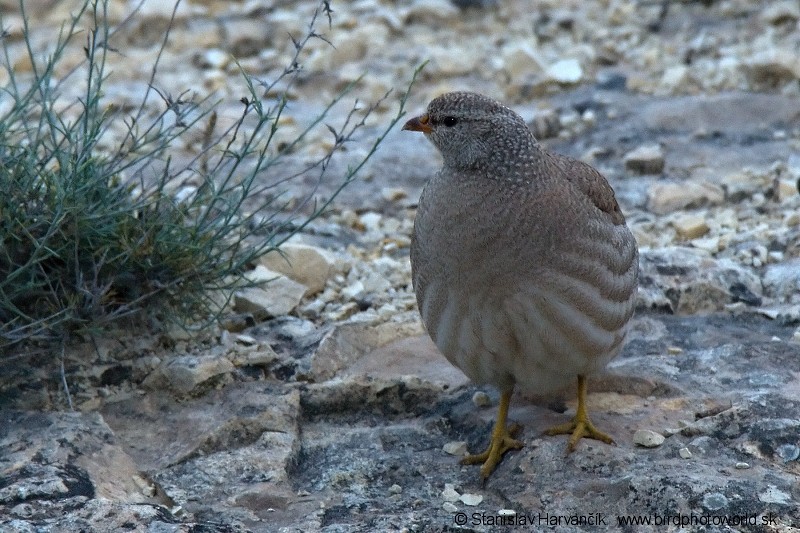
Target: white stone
[
  {"x": 471, "y": 499},
  {"x": 675, "y": 78},
  {"x": 566, "y": 71},
  {"x": 457, "y": 448},
  {"x": 793, "y": 166},
  {"x": 374, "y": 283},
  {"x": 185, "y": 193},
  {"x": 648, "y": 438},
  {"x": 449, "y": 494},
  {"x": 261, "y": 274},
  {"x": 774, "y": 495},
  {"x": 449, "y": 507},
  {"x": 354, "y": 290},
  {"x": 159, "y": 9},
  {"x": 711, "y": 243},
  {"x": 783, "y": 279},
  {"x": 371, "y": 220},
  {"x": 685, "y": 453},
  {"x": 247, "y": 340},
  {"x": 214, "y": 58}
]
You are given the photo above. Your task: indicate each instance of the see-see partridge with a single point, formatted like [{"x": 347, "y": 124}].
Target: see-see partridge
[{"x": 524, "y": 269}]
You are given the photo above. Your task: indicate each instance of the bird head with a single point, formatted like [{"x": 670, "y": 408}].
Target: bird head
[{"x": 471, "y": 130}]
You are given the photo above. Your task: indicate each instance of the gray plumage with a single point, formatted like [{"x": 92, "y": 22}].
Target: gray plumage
[{"x": 524, "y": 269}]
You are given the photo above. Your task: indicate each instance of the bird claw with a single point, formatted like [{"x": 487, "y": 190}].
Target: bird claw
[
  {"x": 579, "y": 428},
  {"x": 502, "y": 442}
]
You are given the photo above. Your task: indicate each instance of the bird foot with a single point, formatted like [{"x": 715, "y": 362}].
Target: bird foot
[
  {"x": 502, "y": 441},
  {"x": 580, "y": 427}
]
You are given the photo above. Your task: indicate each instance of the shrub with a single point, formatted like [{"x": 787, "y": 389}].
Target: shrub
[{"x": 91, "y": 234}]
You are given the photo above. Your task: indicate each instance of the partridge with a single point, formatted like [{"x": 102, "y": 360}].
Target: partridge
[{"x": 524, "y": 270}]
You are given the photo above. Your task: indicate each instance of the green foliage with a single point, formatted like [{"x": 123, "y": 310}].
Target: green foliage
[{"x": 91, "y": 234}]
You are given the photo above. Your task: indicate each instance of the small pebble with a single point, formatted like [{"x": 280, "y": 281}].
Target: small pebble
[
  {"x": 741, "y": 465},
  {"x": 449, "y": 507},
  {"x": 674, "y": 350},
  {"x": 457, "y": 448},
  {"x": 371, "y": 220},
  {"x": 471, "y": 499},
  {"x": 647, "y": 159},
  {"x": 685, "y": 453},
  {"x": 395, "y": 489},
  {"x": 449, "y": 494},
  {"x": 247, "y": 340},
  {"x": 481, "y": 399},
  {"x": 648, "y": 438}
]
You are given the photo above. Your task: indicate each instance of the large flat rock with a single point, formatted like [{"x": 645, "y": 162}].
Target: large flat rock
[{"x": 363, "y": 451}]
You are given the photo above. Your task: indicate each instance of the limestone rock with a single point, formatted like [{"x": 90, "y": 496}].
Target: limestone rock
[
  {"x": 457, "y": 448},
  {"x": 184, "y": 373},
  {"x": 520, "y": 59},
  {"x": 647, "y": 159},
  {"x": 309, "y": 265},
  {"x": 782, "y": 280},
  {"x": 663, "y": 198},
  {"x": 675, "y": 79},
  {"x": 275, "y": 295},
  {"x": 68, "y": 470},
  {"x": 449, "y": 494},
  {"x": 648, "y": 438},
  {"x": 347, "y": 343},
  {"x": 690, "y": 226},
  {"x": 687, "y": 280}
]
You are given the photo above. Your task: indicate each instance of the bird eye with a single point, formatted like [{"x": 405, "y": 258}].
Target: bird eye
[{"x": 449, "y": 121}]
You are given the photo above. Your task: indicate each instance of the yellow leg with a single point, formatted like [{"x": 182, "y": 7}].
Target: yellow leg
[
  {"x": 580, "y": 426},
  {"x": 502, "y": 441}
]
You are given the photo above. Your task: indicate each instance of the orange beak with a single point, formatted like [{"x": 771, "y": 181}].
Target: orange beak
[{"x": 420, "y": 123}]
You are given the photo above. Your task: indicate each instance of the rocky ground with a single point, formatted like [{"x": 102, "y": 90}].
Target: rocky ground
[{"x": 322, "y": 406}]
